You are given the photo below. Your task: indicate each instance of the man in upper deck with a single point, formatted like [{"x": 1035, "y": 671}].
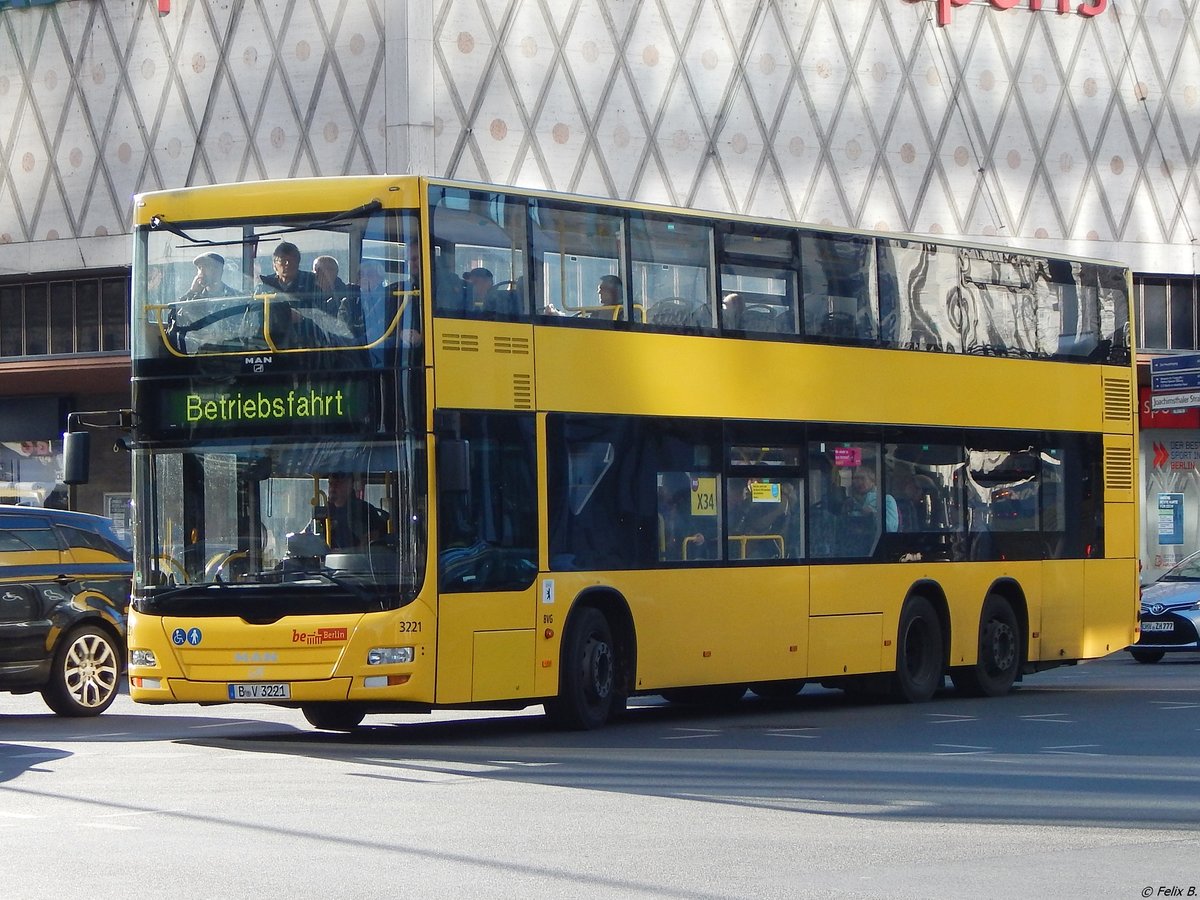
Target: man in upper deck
[
  {"x": 288, "y": 277},
  {"x": 209, "y": 280}
]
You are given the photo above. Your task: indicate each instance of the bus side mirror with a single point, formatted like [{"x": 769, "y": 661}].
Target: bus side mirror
[{"x": 77, "y": 446}]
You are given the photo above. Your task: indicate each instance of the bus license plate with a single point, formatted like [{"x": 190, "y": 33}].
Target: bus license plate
[
  {"x": 260, "y": 690},
  {"x": 1158, "y": 626}
]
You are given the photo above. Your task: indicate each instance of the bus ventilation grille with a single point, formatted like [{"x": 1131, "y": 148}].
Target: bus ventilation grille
[
  {"x": 517, "y": 345},
  {"x": 1118, "y": 403},
  {"x": 1118, "y": 468},
  {"x": 522, "y": 392},
  {"x": 465, "y": 343}
]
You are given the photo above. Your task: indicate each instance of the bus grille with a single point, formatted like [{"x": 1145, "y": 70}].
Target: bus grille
[
  {"x": 517, "y": 345},
  {"x": 467, "y": 343},
  {"x": 1118, "y": 468},
  {"x": 522, "y": 392},
  {"x": 1118, "y": 402}
]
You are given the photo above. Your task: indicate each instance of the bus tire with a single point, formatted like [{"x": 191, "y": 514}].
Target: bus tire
[
  {"x": 920, "y": 658},
  {"x": 778, "y": 691},
  {"x": 999, "y": 657},
  {"x": 1147, "y": 656},
  {"x": 588, "y": 691},
  {"x": 715, "y": 696},
  {"x": 333, "y": 716}
]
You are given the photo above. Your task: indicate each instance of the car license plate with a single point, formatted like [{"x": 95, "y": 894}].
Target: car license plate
[
  {"x": 260, "y": 690},
  {"x": 1158, "y": 626}
]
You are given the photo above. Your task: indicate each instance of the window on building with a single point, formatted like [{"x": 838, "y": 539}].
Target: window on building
[{"x": 65, "y": 316}]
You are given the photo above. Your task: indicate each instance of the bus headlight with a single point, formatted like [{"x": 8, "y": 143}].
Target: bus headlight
[
  {"x": 383, "y": 656},
  {"x": 142, "y": 658}
]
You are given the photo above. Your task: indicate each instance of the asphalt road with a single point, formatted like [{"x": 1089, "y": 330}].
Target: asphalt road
[{"x": 1083, "y": 782}]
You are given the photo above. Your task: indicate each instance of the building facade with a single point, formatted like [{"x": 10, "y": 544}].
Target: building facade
[{"x": 1072, "y": 126}]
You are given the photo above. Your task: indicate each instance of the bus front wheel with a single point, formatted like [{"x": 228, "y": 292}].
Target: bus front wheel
[
  {"x": 332, "y": 716},
  {"x": 999, "y": 657},
  {"x": 588, "y": 692},
  {"x": 920, "y": 666}
]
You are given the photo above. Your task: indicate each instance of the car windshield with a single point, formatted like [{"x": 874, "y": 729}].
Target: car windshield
[
  {"x": 270, "y": 514},
  {"x": 1187, "y": 570}
]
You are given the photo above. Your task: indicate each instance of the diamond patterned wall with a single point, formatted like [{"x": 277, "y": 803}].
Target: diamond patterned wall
[{"x": 1008, "y": 125}]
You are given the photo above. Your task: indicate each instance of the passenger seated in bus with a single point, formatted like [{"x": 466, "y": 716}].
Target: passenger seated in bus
[
  {"x": 732, "y": 308},
  {"x": 478, "y": 281},
  {"x": 353, "y": 522},
  {"x": 864, "y": 499},
  {"x": 610, "y": 290},
  {"x": 858, "y": 528},
  {"x": 378, "y": 303},
  {"x": 757, "y": 526},
  {"x": 209, "y": 280},
  {"x": 287, "y": 277},
  {"x": 335, "y": 297}
]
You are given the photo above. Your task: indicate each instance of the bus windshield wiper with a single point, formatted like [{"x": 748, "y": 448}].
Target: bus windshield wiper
[{"x": 158, "y": 223}]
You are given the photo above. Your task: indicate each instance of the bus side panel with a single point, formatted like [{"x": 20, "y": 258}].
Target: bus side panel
[
  {"x": 1110, "y": 606},
  {"x": 844, "y": 645},
  {"x": 711, "y": 626},
  {"x": 465, "y": 664},
  {"x": 502, "y": 665},
  {"x": 1063, "y": 587}
]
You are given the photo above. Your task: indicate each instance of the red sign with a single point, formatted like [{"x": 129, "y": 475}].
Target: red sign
[
  {"x": 1088, "y": 9},
  {"x": 1164, "y": 418},
  {"x": 847, "y": 457}
]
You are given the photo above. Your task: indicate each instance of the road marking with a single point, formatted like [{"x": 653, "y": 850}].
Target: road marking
[
  {"x": 517, "y": 762},
  {"x": 793, "y": 733},
  {"x": 950, "y": 718},
  {"x": 697, "y": 733},
  {"x": 1172, "y": 704},
  {"x": 1050, "y": 718},
  {"x": 962, "y": 750},
  {"x": 1072, "y": 750}
]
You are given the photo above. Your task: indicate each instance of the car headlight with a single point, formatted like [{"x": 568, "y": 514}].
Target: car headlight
[{"x": 383, "y": 656}]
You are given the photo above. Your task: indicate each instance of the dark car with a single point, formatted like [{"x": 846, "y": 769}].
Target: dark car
[
  {"x": 64, "y": 598},
  {"x": 1169, "y": 618}
]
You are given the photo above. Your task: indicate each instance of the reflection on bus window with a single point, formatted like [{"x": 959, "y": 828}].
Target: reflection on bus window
[
  {"x": 839, "y": 275},
  {"x": 759, "y": 285}
]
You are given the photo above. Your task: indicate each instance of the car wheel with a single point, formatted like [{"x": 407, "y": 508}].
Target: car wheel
[
  {"x": 85, "y": 673},
  {"x": 999, "y": 653},
  {"x": 1147, "y": 656},
  {"x": 589, "y": 692},
  {"x": 920, "y": 658},
  {"x": 333, "y": 716}
]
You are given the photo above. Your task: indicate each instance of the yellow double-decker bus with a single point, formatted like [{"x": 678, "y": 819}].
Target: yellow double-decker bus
[{"x": 403, "y": 443}]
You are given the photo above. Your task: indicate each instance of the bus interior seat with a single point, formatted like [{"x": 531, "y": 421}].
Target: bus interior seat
[
  {"x": 676, "y": 312},
  {"x": 761, "y": 317}
]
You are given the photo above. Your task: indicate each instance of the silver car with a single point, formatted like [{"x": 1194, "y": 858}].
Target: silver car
[{"x": 1170, "y": 614}]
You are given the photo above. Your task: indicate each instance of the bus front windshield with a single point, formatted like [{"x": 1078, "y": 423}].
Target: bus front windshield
[
  {"x": 281, "y": 518},
  {"x": 291, "y": 286}
]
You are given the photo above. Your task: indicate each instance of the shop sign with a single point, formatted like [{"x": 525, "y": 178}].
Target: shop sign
[{"x": 1087, "y": 9}]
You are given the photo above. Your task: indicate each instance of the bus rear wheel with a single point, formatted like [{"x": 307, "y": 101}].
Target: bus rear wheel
[
  {"x": 999, "y": 657},
  {"x": 589, "y": 692},
  {"x": 333, "y": 716},
  {"x": 920, "y": 666}
]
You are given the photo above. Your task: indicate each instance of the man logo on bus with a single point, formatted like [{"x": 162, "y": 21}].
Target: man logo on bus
[{"x": 1087, "y": 9}]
